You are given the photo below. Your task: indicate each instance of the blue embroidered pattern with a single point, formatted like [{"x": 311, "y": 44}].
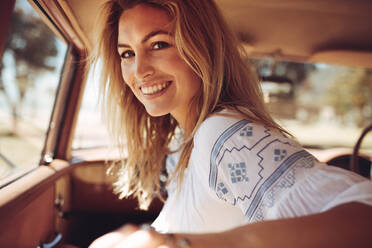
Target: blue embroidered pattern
[
  {"x": 247, "y": 131},
  {"x": 272, "y": 179},
  {"x": 222, "y": 191},
  {"x": 260, "y": 187},
  {"x": 279, "y": 154},
  {"x": 285, "y": 181},
  {"x": 238, "y": 172},
  {"x": 217, "y": 148}
]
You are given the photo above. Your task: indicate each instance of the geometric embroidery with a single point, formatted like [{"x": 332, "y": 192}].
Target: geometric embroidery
[
  {"x": 279, "y": 154},
  {"x": 287, "y": 180},
  {"x": 238, "y": 172},
  {"x": 247, "y": 131},
  {"x": 221, "y": 190}
]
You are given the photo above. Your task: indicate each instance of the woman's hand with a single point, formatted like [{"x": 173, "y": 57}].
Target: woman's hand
[{"x": 135, "y": 237}]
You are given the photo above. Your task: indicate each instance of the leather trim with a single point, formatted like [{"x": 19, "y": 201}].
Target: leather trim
[{"x": 21, "y": 192}]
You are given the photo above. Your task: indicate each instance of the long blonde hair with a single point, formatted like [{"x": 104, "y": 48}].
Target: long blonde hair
[{"x": 207, "y": 45}]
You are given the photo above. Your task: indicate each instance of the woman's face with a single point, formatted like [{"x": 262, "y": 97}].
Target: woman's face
[{"x": 151, "y": 65}]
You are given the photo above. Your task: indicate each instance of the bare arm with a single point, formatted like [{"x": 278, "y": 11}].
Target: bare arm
[{"x": 348, "y": 225}]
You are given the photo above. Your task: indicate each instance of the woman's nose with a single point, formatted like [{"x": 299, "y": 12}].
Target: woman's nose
[{"x": 143, "y": 67}]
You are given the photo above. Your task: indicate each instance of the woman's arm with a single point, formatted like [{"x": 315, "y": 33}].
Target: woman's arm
[{"x": 348, "y": 225}]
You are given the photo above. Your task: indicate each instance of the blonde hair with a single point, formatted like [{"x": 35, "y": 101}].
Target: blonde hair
[{"x": 207, "y": 45}]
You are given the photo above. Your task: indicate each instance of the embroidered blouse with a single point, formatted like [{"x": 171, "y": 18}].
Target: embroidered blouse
[{"x": 241, "y": 172}]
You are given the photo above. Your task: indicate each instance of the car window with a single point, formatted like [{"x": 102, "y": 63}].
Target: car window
[
  {"x": 90, "y": 131},
  {"x": 30, "y": 69},
  {"x": 323, "y": 106}
]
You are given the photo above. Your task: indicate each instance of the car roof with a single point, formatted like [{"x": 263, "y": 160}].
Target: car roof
[{"x": 329, "y": 31}]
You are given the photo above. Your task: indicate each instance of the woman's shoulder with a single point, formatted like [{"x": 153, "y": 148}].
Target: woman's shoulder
[
  {"x": 219, "y": 121},
  {"x": 228, "y": 124}
]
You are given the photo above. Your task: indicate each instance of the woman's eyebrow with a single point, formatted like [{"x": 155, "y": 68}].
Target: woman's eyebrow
[{"x": 147, "y": 37}]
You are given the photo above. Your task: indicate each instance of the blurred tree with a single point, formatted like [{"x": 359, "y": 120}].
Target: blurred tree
[
  {"x": 32, "y": 45},
  {"x": 350, "y": 95}
]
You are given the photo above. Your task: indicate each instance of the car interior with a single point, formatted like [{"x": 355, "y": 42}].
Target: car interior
[{"x": 62, "y": 195}]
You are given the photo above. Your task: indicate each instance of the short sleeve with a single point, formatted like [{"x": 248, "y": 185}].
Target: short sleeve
[{"x": 264, "y": 173}]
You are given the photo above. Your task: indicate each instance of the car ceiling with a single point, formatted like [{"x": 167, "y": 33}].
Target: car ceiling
[{"x": 330, "y": 31}]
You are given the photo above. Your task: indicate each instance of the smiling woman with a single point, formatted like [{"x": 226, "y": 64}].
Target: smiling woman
[
  {"x": 189, "y": 118},
  {"x": 151, "y": 65},
  {"x": 180, "y": 96}
]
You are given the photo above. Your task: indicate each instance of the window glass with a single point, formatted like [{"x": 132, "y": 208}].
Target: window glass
[
  {"x": 90, "y": 130},
  {"x": 323, "y": 106},
  {"x": 30, "y": 69}
]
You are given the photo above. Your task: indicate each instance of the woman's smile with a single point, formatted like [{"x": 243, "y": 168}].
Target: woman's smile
[
  {"x": 155, "y": 89},
  {"x": 151, "y": 64}
]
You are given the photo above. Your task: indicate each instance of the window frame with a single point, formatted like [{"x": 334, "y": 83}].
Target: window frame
[{"x": 59, "y": 133}]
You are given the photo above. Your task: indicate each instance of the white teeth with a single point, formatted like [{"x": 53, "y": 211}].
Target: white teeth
[{"x": 153, "y": 89}]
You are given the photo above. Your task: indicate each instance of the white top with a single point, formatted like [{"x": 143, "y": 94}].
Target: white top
[{"x": 241, "y": 172}]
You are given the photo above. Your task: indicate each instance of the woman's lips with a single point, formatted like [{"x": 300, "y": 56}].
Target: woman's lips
[{"x": 154, "y": 88}]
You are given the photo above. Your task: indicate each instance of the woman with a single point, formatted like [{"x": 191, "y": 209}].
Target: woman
[{"x": 176, "y": 89}]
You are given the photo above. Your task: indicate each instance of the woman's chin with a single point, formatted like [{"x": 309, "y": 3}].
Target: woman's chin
[{"x": 156, "y": 112}]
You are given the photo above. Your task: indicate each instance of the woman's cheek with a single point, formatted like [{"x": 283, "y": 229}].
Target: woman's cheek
[
  {"x": 130, "y": 82},
  {"x": 127, "y": 79},
  {"x": 123, "y": 71},
  {"x": 130, "y": 85}
]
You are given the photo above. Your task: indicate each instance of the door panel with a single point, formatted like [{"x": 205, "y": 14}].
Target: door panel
[
  {"x": 28, "y": 217},
  {"x": 74, "y": 199}
]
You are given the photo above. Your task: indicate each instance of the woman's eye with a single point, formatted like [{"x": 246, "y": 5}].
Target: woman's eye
[
  {"x": 160, "y": 45},
  {"x": 127, "y": 54}
]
